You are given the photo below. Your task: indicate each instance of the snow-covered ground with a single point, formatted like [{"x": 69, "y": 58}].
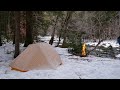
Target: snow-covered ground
[{"x": 74, "y": 67}]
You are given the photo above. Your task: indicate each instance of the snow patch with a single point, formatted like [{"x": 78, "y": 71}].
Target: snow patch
[{"x": 73, "y": 67}]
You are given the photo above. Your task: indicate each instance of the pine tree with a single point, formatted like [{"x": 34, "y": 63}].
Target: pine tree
[
  {"x": 29, "y": 28},
  {"x": 17, "y": 33}
]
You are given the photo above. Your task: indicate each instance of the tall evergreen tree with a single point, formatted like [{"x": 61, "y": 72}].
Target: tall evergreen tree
[
  {"x": 29, "y": 28},
  {"x": 17, "y": 33}
]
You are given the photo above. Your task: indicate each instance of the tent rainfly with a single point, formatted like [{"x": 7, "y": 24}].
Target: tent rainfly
[{"x": 37, "y": 56}]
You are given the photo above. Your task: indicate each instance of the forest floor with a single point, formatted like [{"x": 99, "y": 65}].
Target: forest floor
[{"x": 73, "y": 67}]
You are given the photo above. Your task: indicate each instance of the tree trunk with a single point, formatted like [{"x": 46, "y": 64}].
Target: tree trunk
[
  {"x": 14, "y": 37},
  {"x": 53, "y": 33},
  {"x": 17, "y": 33},
  {"x": 0, "y": 30},
  {"x": 29, "y": 39},
  {"x": 119, "y": 23},
  {"x": 8, "y": 26},
  {"x": 12, "y": 21},
  {"x": 67, "y": 19},
  {"x": 60, "y": 33}
]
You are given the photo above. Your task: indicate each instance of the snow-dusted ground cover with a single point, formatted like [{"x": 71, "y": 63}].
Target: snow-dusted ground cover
[{"x": 73, "y": 67}]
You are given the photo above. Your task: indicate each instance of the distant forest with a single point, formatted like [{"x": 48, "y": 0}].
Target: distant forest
[{"x": 72, "y": 26}]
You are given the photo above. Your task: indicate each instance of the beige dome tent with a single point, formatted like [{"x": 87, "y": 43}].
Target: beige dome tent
[{"x": 37, "y": 56}]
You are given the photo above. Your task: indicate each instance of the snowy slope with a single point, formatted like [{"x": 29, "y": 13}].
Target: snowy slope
[{"x": 74, "y": 67}]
